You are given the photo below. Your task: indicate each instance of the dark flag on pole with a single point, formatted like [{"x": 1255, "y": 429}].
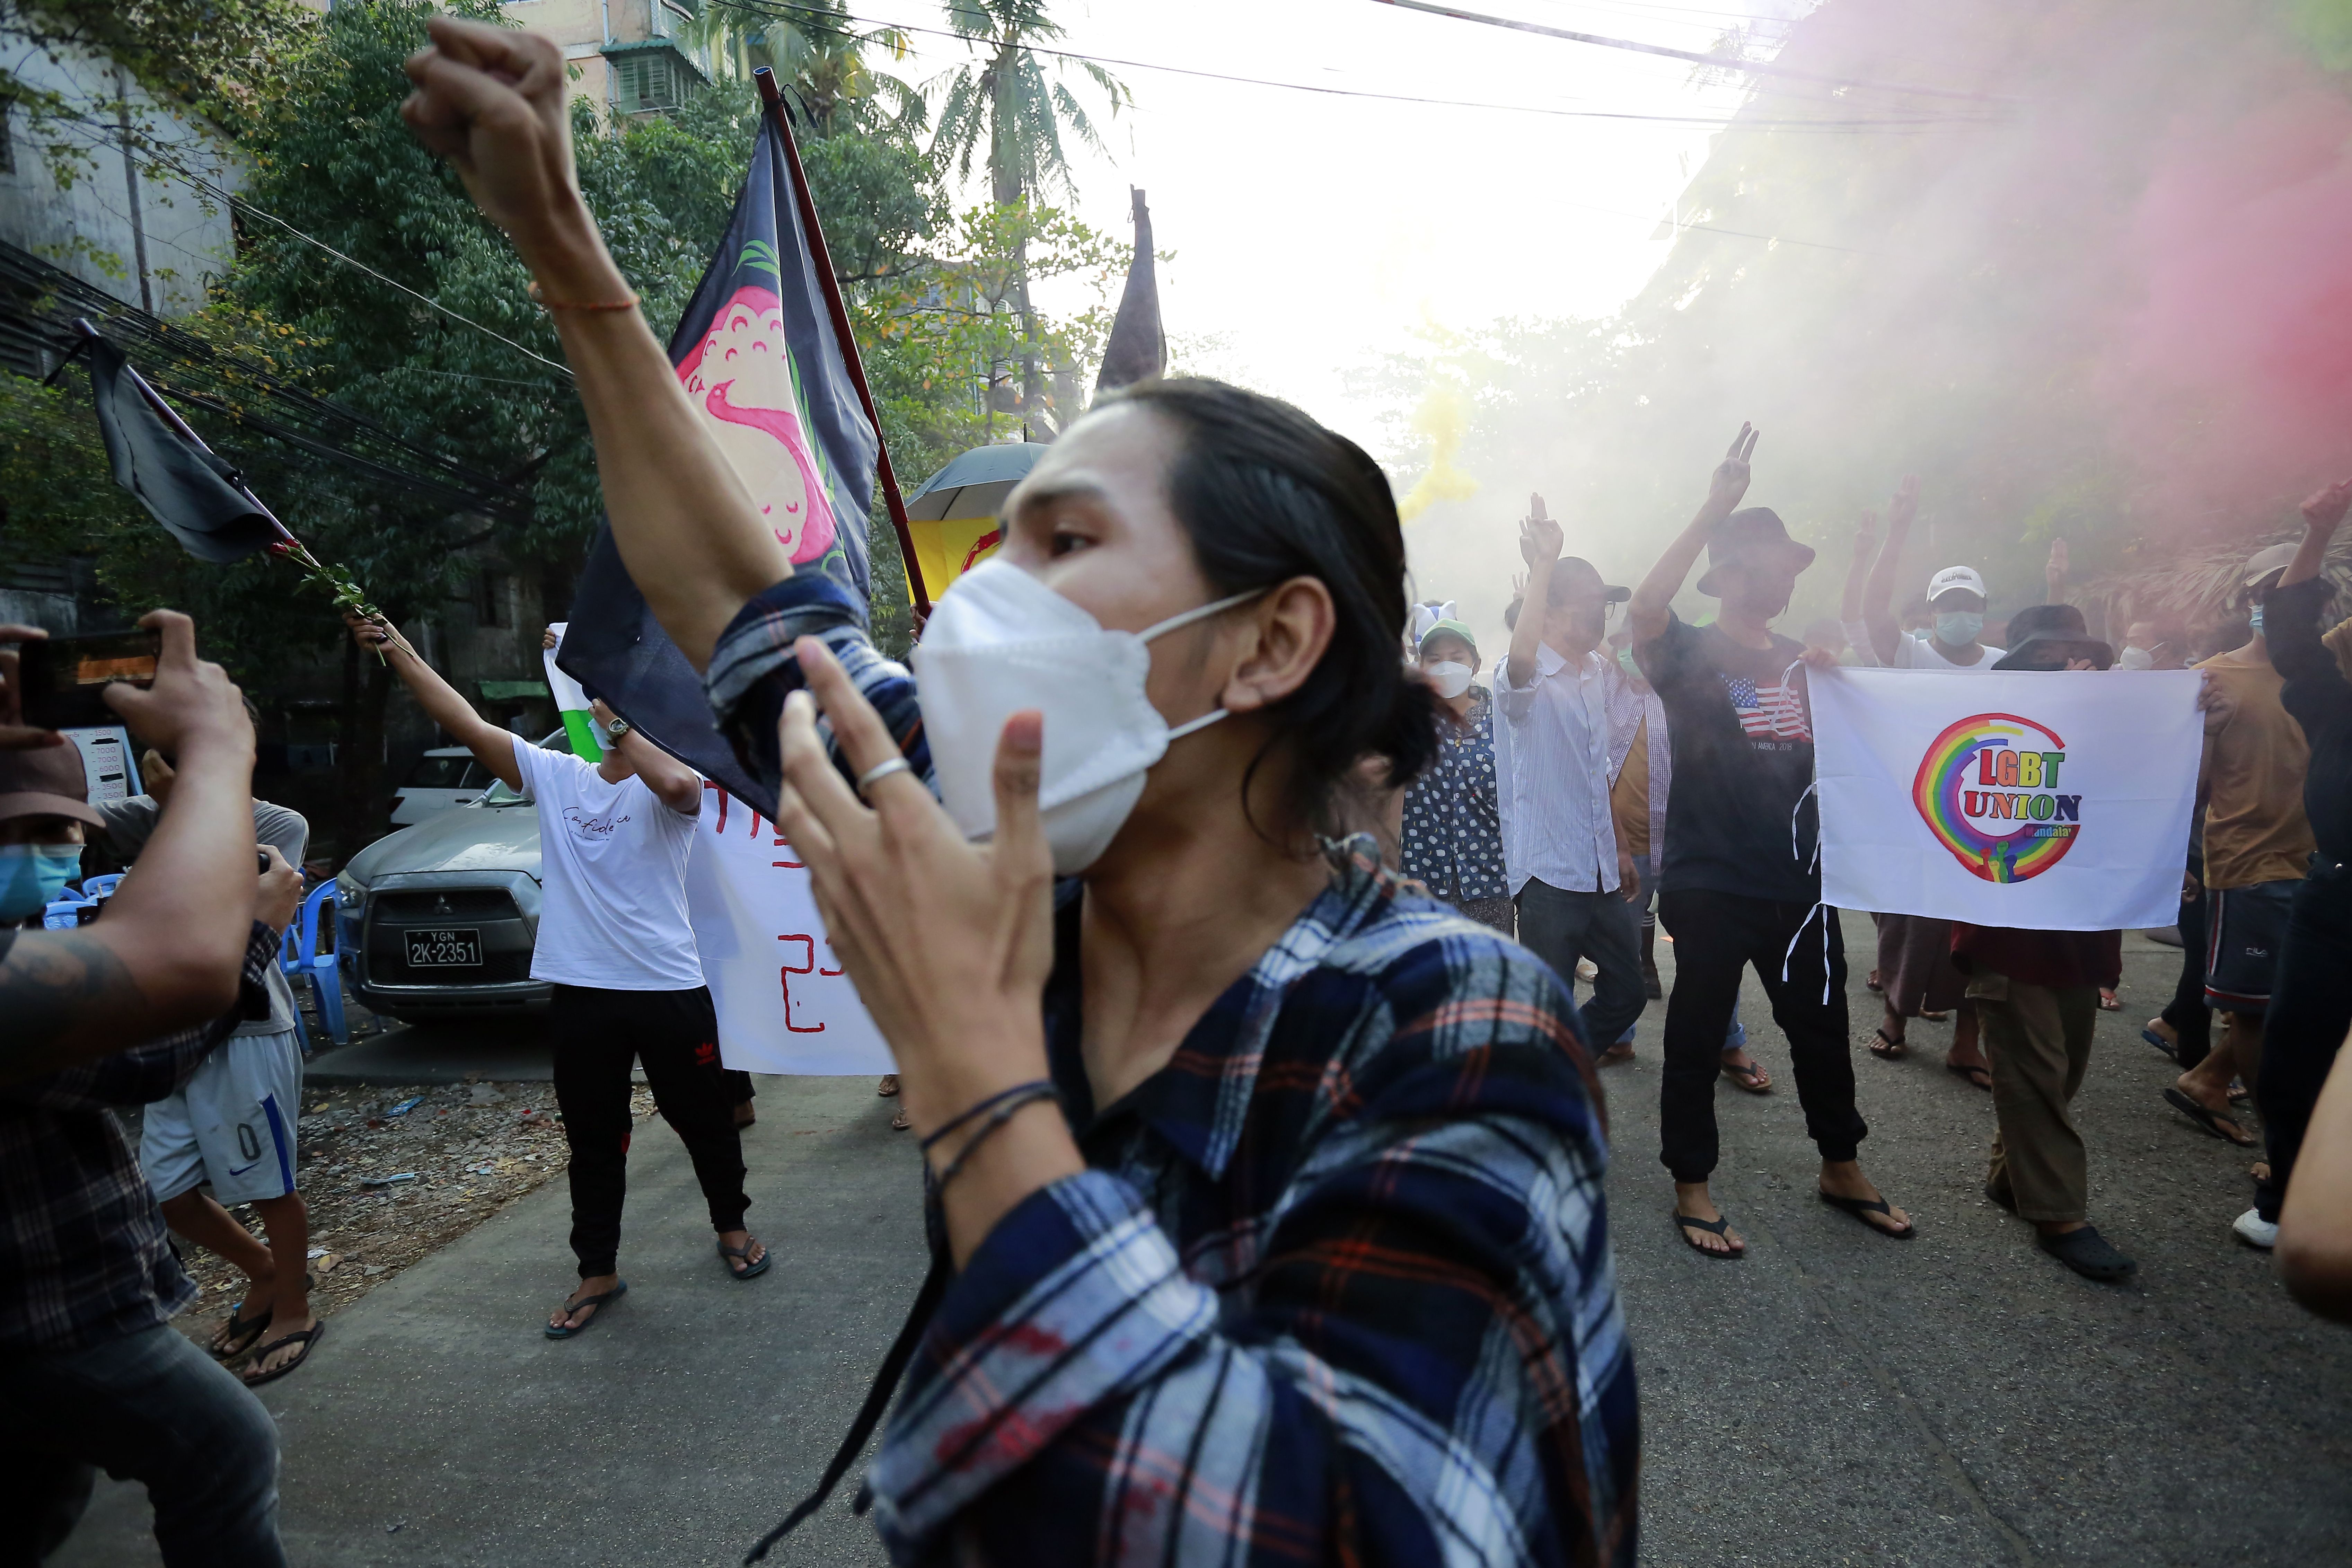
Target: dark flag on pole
[
  {"x": 1138, "y": 348},
  {"x": 194, "y": 493},
  {"x": 765, "y": 354}
]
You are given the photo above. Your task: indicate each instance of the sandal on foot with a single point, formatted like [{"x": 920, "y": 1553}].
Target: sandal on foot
[
  {"x": 888, "y": 1086},
  {"x": 2109, "y": 1002},
  {"x": 237, "y": 1336},
  {"x": 1885, "y": 1047},
  {"x": 1858, "y": 1207},
  {"x": 750, "y": 1270},
  {"x": 307, "y": 1339},
  {"x": 1977, "y": 1073},
  {"x": 1713, "y": 1227},
  {"x": 1936, "y": 1018},
  {"x": 2159, "y": 1042},
  {"x": 2218, "y": 1123},
  {"x": 572, "y": 1308},
  {"x": 1751, "y": 1078},
  {"x": 1873, "y": 983},
  {"x": 1613, "y": 1055}
]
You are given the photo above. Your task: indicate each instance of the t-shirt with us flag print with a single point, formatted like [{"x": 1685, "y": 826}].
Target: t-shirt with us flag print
[{"x": 1742, "y": 733}]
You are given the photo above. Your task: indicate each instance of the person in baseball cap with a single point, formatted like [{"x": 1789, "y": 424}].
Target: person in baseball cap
[{"x": 43, "y": 810}]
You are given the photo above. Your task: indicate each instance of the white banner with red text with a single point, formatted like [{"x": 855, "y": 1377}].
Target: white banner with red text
[
  {"x": 2035, "y": 800},
  {"x": 784, "y": 1005}
]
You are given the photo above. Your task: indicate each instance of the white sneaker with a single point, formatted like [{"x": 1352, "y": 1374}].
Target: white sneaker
[{"x": 2252, "y": 1229}]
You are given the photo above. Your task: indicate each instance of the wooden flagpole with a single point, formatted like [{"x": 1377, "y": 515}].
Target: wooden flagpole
[{"x": 773, "y": 99}]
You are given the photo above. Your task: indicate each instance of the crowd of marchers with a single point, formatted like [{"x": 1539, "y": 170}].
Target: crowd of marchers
[{"x": 1263, "y": 1174}]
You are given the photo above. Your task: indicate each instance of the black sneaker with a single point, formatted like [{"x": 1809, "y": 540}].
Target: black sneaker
[
  {"x": 2087, "y": 1252},
  {"x": 1650, "y": 985}
]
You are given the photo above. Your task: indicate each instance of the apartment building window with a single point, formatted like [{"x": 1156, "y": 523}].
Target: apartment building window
[
  {"x": 648, "y": 81},
  {"x": 496, "y": 608}
]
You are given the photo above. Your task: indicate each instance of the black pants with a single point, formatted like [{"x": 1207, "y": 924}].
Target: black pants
[
  {"x": 1718, "y": 936},
  {"x": 1560, "y": 927},
  {"x": 2311, "y": 1008},
  {"x": 676, "y": 1033},
  {"x": 149, "y": 1406},
  {"x": 2192, "y": 1020}
]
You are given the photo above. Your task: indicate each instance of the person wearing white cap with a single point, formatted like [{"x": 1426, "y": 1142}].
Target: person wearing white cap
[
  {"x": 2258, "y": 846},
  {"x": 1956, "y": 598},
  {"x": 1916, "y": 972}
]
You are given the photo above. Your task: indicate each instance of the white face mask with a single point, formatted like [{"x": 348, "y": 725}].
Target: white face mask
[
  {"x": 2136, "y": 658},
  {"x": 1452, "y": 680},
  {"x": 1001, "y": 641}
]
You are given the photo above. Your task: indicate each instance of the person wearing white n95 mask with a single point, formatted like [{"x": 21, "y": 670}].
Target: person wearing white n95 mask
[
  {"x": 1001, "y": 642},
  {"x": 1451, "y": 838}
]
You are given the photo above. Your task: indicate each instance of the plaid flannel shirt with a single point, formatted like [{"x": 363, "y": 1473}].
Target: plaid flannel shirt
[
  {"x": 1336, "y": 1284},
  {"x": 83, "y": 1254}
]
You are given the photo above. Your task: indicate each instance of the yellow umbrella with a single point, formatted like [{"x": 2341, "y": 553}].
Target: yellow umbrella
[{"x": 952, "y": 518}]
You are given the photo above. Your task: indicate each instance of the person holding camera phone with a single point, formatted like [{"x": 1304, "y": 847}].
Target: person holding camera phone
[
  {"x": 231, "y": 1126},
  {"x": 161, "y": 959},
  {"x": 92, "y": 1374},
  {"x": 614, "y": 941}
]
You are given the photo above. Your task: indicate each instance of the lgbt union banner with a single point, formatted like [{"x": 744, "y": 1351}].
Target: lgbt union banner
[{"x": 2047, "y": 800}]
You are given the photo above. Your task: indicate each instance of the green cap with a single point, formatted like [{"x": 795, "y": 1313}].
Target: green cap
[{"x": 1454, "y": 628}]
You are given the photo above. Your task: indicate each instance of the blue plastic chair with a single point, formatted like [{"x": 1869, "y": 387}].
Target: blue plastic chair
[
  {"x": 64, "y": 914},
  {"x": 94, "y": 888},
  {"x": 326, "y": 981}
]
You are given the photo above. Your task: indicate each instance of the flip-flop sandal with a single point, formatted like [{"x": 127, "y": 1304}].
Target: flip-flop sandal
[
  {"x": 1872, "y": 984},
  {"x": 1713, "y": 1227},
  {"x": 2160, "y": 1043},
  {"x": 750, "y": 1270},
  {"x": 1613, "y": 1055},
  {"x": 241, "y": 1334},
  {"x": 2238, "y": 1093},
  {"x": 888, "y": 1086},
  {"x": 2211, "y": 1120},
  {"x": 1978, "y": 1075},
  {"x": 899, "y": 1124},
  {"x": 1860, "y": 1207},
  {"x": 2110, "y": 1002},
  {"x": 1936, "y": 1018},
  {"x": 1886, "y": 1047},
  {"x": 307, "y": 1339},
  {"x": 565, "y": 1332},
  {"x": 1751, "y": 1078}
]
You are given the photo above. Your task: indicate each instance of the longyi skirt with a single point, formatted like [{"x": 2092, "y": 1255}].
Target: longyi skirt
[{"x": 1914, "y": 965}]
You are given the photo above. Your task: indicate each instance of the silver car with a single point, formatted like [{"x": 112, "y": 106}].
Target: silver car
[{"x": 439, "y": 921}]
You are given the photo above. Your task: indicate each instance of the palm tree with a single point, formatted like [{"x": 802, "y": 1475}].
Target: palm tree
[
  {"x": 819, "y": 58},
  {"x": 1023, "y": 109}
]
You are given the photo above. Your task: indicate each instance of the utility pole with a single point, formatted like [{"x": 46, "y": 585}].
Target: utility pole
[{"x": 130, "y": 188}]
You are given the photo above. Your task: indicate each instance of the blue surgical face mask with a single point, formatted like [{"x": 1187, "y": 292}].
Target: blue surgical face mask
[
  {"x": 32, "y": 875},
  {"x": 1958, "y": 628},
  {"x": 2255, "y": 616},
  {"x": 1625, "y": 662}
]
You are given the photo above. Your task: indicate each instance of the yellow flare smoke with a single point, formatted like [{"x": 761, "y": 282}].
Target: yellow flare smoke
[{"x": 1444, "y": 417}]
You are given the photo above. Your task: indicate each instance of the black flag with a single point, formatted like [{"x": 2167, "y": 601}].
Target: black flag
[
  {"x": 757, "y": 354},
  {"x": 191, "y": 492},
  {"x": 1138, "y": 348}
]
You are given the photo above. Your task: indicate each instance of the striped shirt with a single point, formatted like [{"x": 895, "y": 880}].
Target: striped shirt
[{"x": 1336, "y": 1283}]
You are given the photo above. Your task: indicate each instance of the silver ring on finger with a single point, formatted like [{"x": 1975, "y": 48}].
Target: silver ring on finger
[{"x": 882, "y": 771}]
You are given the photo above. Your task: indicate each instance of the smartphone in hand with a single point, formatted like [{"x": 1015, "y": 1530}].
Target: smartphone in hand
[{"x": 63, "y": 678}]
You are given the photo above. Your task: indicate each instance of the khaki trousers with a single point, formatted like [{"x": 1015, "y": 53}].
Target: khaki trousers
[{"x": 2039, "y": 1038}]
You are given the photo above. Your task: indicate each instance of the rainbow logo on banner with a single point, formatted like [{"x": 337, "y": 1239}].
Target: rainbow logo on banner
[{"x": 1989, "y": 789}]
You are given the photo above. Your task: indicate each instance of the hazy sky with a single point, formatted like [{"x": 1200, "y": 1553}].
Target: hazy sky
[{"x": 1313, "y": 232}]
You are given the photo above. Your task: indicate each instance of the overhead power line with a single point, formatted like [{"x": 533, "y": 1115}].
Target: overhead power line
[
  {"x": 786, "y": 11},
  {"x": 1761, "y": 68}
]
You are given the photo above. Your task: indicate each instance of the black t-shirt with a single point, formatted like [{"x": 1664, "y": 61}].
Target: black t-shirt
[
  {"x": 2320, "y": 699},
  {"x": 1742, "y": 731}
]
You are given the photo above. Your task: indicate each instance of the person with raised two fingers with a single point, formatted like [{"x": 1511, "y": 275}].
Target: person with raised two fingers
[
  {"x": 1267, "y": 1196},
  {"x": 1741, "y": 883}
]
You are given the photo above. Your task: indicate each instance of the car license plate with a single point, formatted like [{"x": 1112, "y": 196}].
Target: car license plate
[{"x": 444, "y": 948}]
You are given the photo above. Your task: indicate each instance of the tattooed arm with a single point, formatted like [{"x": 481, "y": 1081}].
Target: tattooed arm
[{"x": 168, "y": 955}]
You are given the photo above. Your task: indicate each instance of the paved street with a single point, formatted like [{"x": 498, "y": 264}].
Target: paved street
[{"x": 1836, "y": 1398}]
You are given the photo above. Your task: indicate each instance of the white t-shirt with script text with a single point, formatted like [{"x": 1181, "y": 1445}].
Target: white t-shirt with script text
[{"x": 612, "y": 869}]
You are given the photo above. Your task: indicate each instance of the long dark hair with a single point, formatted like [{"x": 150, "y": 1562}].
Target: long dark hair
[{"x": 1266, "y": 494}]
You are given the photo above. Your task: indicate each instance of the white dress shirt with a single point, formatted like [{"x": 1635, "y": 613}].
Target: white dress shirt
[{"x": 1559, "y": 742}]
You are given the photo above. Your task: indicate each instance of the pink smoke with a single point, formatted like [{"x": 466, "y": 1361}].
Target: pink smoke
[{"x": 2234, "y": 378}]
